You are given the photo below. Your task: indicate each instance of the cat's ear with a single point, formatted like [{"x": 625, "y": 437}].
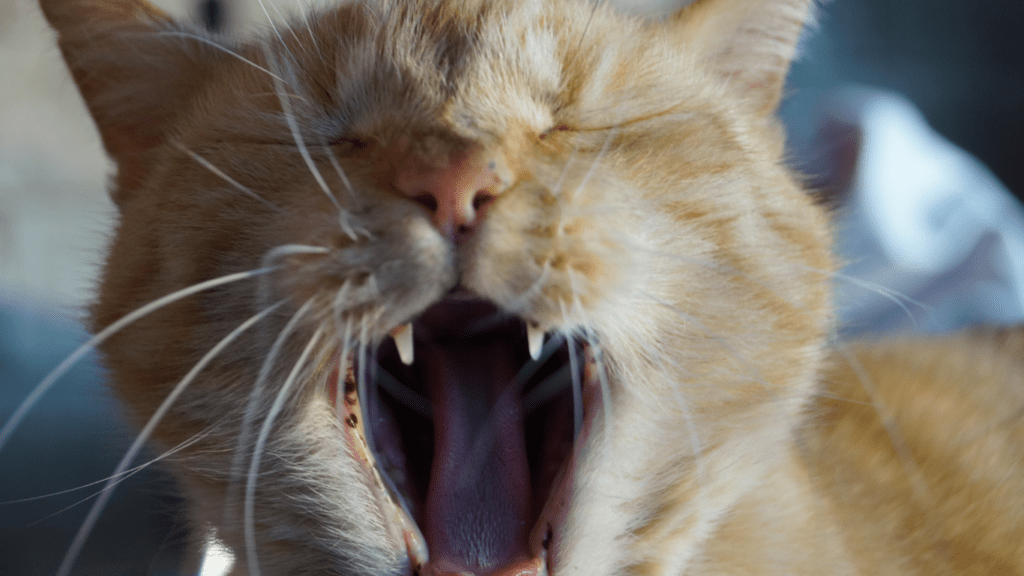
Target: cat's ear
[
  {"x": 749, "y": 43},
  {"x": 134, "y": 69}
]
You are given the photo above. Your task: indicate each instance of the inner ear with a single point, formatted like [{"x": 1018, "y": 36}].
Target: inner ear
[
  {"x": 748, "y": 43},
  {"x": 136, "y": 70}
]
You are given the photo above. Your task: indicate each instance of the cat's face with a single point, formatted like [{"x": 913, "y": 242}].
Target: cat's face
[{"x": 480, "y": 173}]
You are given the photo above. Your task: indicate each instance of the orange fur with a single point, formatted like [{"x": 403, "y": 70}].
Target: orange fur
[{"x": 651, "y": 207}]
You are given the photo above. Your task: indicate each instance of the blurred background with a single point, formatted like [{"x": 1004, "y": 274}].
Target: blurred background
[{"x": 907, "y": 116}]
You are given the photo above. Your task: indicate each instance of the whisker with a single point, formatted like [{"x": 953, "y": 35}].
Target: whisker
[
  {"x": 691, "y": 428},
  {"x": 143, "y": 437},
  {"x": 598, "y": 353},
  {"x": 597, "y": 160},
  {"x": 344, "y": 215},
  {"x": 577, "y": 390},
  {"x": 281, "y": 16},
  {"x": 286, "y": 250},
  {"x": 218, "y": 46},
  {"x": 106, "y": 333},
  {"x": 752, "y": 373},
  {"x": 888, "y": 293},
  {"x": 407, "y": 396},
  {"x": 586, "y": 27},
  {"x": 274, "y": 27},
  {"x": 691, "y": 320},
  {"x": 346, "y": 343},
  {"x": 117, "y": 478},
  {"x": 252, "y": 406},
  {"x": 899, "y": 299},
  {"x": 341, "y": 172},
  {"x": 261, "y": 441},
  {"x": 602, "y": 377},
  {"x": 363, "y": 385},
  {"x": 547, "y": 389},
  {"x": 577, "y": 386},
  {"x": 888, "y": 421},
  {"x": 220, "y": 173},
  {"x": 338, "y": 304},
  {"x": 293, "y": 125},
  {"x": 557, "y": 188},
  {"x": 532, "y": 366}
]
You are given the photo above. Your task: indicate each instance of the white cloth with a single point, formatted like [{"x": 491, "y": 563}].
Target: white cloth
[{"x": 932, "y": 239}]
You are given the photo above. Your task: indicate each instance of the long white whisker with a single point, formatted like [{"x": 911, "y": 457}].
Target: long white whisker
[
  {"x": 532, "y": 366},
  {"x": 577, "y": 385},
  {"x": 362, "y": 366},
  {"x": 277, "y": 253},
  {"x": 261, "y": 441},
  {"x": 282, "y": 17},
  {"x": 899, "y": 299},
  {"x": 547, "y": 389},
  {"x": 143, "y": 437},
  {"x": 220, "y": 173},
  {"x": 106, "y": 333},
  {"x": 602, "y": 372},
  {"x": 338, "y": 307},
  {"x": 286, "y": 250},
  {"x": 691, "y": 320},
  {"x": 274, "y": 27},
  {"x": 220, "y": 47},
  {"x": 293, "y": 125},
  {"x": 407, "y": 396},
  {"x": 344, "y": 216},
  {"x": 557, "y": 188},
  {"x": 888, "y": 293},
  {"x": 253, "y": 405},
  {"x": 117, "y": 480},
  {"x": 888, "y": 421},
  {"x": 597, "y": 160},
  {"x": 341, "y": 172},
  {"x": 695, "y": 441},
  {"x": 577, "y": 390},
  {"x": 339, "y": 394}
]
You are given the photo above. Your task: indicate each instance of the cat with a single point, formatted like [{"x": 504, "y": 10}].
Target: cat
[{"x": 516, "y": 287}]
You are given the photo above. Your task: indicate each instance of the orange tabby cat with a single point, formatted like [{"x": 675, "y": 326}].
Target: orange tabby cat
[{"x": 388, "y": 208}]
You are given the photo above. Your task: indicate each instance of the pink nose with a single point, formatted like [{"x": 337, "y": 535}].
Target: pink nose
[{"x": 458, "y": 193}]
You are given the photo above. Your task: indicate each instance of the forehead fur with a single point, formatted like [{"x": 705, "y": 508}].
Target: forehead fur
[{"x": 480, "y": 69}]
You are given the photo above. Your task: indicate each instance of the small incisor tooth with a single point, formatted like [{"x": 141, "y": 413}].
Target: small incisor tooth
[
  {"x": 534, "y": 339},
  {"x": 403, "y": 341}
]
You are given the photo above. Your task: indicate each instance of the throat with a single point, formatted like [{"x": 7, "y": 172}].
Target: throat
[{"x": 479, "y": 508}]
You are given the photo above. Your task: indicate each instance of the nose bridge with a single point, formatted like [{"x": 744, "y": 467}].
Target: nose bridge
[{"x": 456, "y": 183}]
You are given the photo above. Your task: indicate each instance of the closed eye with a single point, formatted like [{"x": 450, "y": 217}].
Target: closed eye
[
  {"x": 347, "y": 144},
  {"x": 554, "y": 130}
]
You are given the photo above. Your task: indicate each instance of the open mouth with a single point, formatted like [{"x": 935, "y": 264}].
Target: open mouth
[{"x": 469, "y": 422}]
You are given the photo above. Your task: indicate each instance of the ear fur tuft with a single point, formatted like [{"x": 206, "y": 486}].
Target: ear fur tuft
[
  {"x": 749, "y": 43},
  {"x": 134, "y": 78}
]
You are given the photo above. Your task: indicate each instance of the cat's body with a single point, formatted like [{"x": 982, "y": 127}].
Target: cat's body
[{"x": 618, "y": 182}]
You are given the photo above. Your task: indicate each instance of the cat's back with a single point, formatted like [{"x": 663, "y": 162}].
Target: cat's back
[{"x": 917, "y": 447}]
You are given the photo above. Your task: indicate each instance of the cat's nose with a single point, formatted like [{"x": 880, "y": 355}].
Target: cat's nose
[{"x": 458, "y": 192}]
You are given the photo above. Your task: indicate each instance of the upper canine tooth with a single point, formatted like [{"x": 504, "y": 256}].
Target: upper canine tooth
[
  {"x": 534, "y": 339},
  {"x": 403, "y": 341}
]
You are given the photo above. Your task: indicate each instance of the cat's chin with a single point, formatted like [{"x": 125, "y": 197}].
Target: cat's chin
[{"x": 470, "y": 429}]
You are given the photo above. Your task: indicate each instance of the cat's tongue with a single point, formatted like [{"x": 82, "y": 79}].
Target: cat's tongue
[{"x": 478, "y": 505}]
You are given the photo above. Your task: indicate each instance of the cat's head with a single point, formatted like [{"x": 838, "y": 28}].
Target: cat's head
[{"x": 479, "y": 174}]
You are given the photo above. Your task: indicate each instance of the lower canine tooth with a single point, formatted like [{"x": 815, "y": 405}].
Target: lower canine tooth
[
  {"x": 403, "y": 341},
  {"x": 535, "y": 340}
]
